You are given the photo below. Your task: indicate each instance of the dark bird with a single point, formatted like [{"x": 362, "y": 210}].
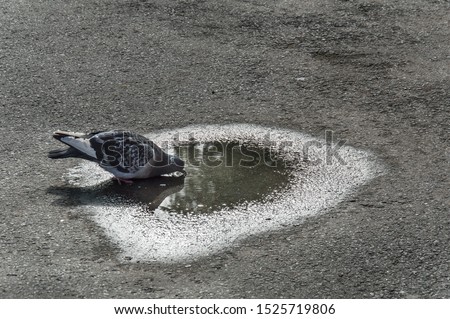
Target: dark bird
[{"x": 124, "y": 154}]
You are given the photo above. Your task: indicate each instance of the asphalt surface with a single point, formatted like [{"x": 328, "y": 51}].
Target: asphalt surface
[{"x": 374, "y": 72}]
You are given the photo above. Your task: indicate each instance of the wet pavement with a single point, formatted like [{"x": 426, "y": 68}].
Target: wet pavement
[
  {"x": 375, "y": 74},
  {"x": 236, "y": 186}
]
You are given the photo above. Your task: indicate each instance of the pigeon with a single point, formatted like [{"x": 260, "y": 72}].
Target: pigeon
[{"x": 125, "y": 154}]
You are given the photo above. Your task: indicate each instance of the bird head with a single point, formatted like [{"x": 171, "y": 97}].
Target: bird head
[
  {"x": 176, "y": 164},
  {"x": 175, "y": 161}
]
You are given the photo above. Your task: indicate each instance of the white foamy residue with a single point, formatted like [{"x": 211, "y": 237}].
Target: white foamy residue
[{"x": 167, "y": 237}]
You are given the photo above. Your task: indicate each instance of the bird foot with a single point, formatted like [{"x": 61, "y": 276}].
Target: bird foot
[{"x": 125, "y": 181}]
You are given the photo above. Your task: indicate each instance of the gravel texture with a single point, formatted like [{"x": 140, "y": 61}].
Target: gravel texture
[{"x": 374, "y": 72}]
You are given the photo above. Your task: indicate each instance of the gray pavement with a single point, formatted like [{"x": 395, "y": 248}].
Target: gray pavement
[{"x": 374, "y": 72}]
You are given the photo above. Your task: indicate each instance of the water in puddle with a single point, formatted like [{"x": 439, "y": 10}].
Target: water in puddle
[{"x": 225, "y": 174}]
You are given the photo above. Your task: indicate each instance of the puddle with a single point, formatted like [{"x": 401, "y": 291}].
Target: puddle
[{"x": 241, "y": 180}]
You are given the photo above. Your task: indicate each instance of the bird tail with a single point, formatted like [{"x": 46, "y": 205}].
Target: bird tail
[
  {"x": 79, "y": 145},
  {"x": 60, "y": 134},
  {"x": 64, "y": 153}
]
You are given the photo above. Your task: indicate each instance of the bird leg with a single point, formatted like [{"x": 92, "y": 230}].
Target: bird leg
[{"x": 125, "y": 181}]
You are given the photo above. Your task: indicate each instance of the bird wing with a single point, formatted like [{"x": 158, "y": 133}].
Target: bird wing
[{"x": 124, "y": 151}]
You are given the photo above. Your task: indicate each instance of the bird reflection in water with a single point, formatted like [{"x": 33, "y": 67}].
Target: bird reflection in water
[{"x": 148, "y": 193}]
